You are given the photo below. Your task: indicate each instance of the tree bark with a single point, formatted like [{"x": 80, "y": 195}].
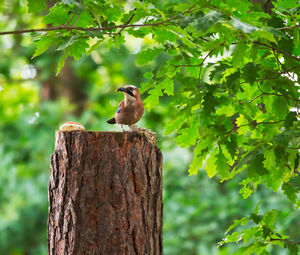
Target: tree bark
[{"x": 105, "y": 194}]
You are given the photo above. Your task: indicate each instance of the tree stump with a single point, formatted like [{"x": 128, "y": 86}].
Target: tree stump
[{"x": 105, "y": 194}]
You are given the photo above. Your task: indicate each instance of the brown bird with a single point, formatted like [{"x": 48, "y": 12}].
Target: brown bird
[{"x": 130, "y": 110}]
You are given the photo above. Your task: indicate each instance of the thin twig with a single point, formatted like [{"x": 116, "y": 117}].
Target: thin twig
[
  {"x": 284, "y": 240},
  {"x": 253, "y": 99},
  {"x": 278, "y": 50},
  {"x": 275, "y": 94},
  {"x": 279, "y": 62},
  {"x": 254, "y": 123},
  {"x": 69, "y": 21},
  {"x": 186, "y": 65},
  {"x": 201, "y": 64},
  {"x": 69, "y": 28},
  {"x": 191, "y": 65},
  {"x": 277, "y": 75},
  {"x": 127, "y": 22},
  {"x": 282, "y": 28}
]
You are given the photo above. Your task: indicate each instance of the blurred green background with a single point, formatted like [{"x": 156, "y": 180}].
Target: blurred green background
[{"x": 33, "y": 103}]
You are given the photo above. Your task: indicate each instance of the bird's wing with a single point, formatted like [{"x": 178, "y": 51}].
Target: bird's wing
[{"x": 120, "y": 106}]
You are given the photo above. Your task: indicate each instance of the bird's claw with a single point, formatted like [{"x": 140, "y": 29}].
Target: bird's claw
[{"x": 133, "y": 128}]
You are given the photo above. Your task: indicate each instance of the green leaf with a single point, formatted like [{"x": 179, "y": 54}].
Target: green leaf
[
  {"x": 58, "y": 15},
  {"x": 290, "y": 192},
  {"x": 256, "y": 209},
  {"x": 43, "y": 44},
  {"x": 227, "y": 110},
  {"x": 61, "y": 61},
  {"x": 234, "y": 237},
  {"x": 269, "y": 218},
  {"x": 231, "y": 146},
  {"x": 266, "y": 232},
  {"x": 163, "y": 35},
  {"x": 200, "y": 154},
  {"x": 146, "y": 56},
  {"x": 175, "y": 124},
  {"x": 256, "y": 218},
  {"x": 85, "y": 20},
  {"x": 209, "y": 103},
  {"x": 239, "y": 54},
  {"x": 242, "y": 123},
  {"x": 286, "y": 4},
  {"x": 250, "y": 73},
  {"x": 36, "y": 6},
  {"x": 148, "y": 75},
  {"x": 222, "y": 166},
  {"x": 248, "y": 234},
  {"x": 280, "y": 107},
  {"x": 269, "y": 161},
  {"x": 68, "y": 42},
  {"x": 211, "y": 168},
  {"x": 289, "y": 120},
  {"x": 146, "y": 86},
  {"x": 256, "y": 167},
  {"x": 295, "y": 183},
  {"x": 247, "y": 28},
  {"x": 153, "y": 99},
  {"x": 246, "y": 191},
  {"x": 281, "y": 140},
  {"x": 293, "y": 248},
  {"x": 168, "y": 86},
  {"x": 188, "y": 136},
  {"x": 243, "y": 221},
  {"x": 195, "y": 165},
  {"x": 243, "y": 6},
  {"x": 93, "y": 47},
  {"x": 78, "y": 48},
  {"x": 208, "y": 20}
]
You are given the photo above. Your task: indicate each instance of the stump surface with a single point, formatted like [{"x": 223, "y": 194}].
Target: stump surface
[{"x": 105, "y": 194}]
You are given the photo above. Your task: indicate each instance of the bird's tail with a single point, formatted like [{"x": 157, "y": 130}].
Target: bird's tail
[{"x": 112, "y": 121}]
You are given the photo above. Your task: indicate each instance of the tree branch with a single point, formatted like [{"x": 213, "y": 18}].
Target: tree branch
[
  {"x": 254, "y": 124},
  {"x": 275, "y": 94},
  {"x": 127, "y": 23},
  {"x": 278, "y": 50},
  {"x": 277, "y": 75},
  {"x": 123, "y": 26},
  {"x": 283, "y": 67},
  {"x": 201, "y": 64},
  {"x": 284, "y": 240},
  {"x": 282, "y": 28}
]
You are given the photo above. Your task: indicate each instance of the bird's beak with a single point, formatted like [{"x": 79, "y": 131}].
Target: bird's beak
[
  {"x": 125, "y": 90},
  {"x": 121, "y": 89}
]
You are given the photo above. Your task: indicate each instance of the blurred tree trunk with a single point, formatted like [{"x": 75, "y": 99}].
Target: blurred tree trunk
[
  {"x": 66, "y": 84},
  {"x": 105, "y": 194}
]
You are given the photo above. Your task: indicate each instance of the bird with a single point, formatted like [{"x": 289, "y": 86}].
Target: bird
[{"x": 130, "y": 110}]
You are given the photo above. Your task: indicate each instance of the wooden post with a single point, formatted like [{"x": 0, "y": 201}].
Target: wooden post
[{"x": 105, "y": 194}]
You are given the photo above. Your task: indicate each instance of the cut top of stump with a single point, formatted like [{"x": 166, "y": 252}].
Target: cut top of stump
[{"x": 120, "y": 137}]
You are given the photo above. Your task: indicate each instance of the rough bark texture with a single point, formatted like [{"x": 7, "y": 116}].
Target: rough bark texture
[{"x": 105, "y": 194}]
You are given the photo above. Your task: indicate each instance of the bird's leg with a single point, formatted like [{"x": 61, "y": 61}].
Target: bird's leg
[
  {"x": 121, "y": 126},
  {"x": 133, "y": 128}
]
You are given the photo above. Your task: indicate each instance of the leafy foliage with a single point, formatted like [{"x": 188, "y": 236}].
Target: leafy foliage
[
  {"x": 258, "y": 238},
  {"x": 239, "y": 112},
  {"x": 231, "y": 72}
]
